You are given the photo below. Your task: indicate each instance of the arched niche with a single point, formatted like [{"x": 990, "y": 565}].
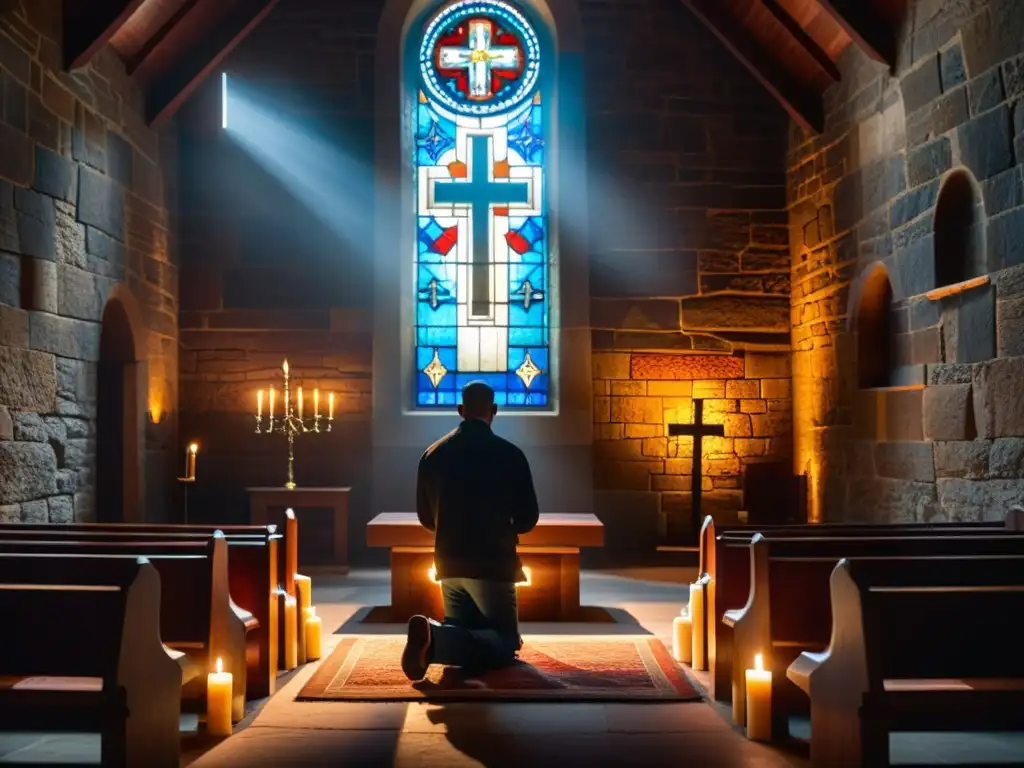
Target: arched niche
[
  {"x": 959, "y": 230},
  {"x": 962, "y": 286},
  {"x": 120, "y": 409},
  {"x": 873, "y": 325}
]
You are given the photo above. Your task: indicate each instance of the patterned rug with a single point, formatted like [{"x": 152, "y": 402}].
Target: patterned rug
[{"x": 625, "y": 669}]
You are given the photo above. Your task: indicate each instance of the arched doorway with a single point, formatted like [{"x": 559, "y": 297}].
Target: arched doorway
[
  {"x": 874, "y": 330},
  {"x": 118, "y": 444},
  {"x": 959, "y": 231}
]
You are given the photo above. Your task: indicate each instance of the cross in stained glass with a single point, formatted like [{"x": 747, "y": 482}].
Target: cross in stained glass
[
  {"x": 479, "y": 193},
  {"x": 528, "y": 294},
  {"x": 479, "y": 59}
]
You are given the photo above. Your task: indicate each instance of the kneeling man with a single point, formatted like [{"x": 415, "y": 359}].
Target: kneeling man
[{"x": 475, "y": 491}]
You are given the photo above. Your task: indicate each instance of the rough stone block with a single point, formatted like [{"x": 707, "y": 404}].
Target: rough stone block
[
  {"x": 767, "y": 365},
  {"x": 29, "y": 427},
  {"x": 81, "y": 294},
  {"x": 641, "y": 410},
  {"x": 992, "y": 35},
  {"x": 56, "y": 176},
  {"x": 922, "y": 84},
  {"x": 14, "y": 59},
  {"x": 996, "y": 413},
  {"x": 929, "y": 161},
  {"x": 952, "y": 68},
  {"x": 736, "y": 312},
  {"x": 884, "y": 500},
  {"x": 1006, "y": 240},
  {"x": 61, "y": 509},
  {"x": 1006, "y": 459},
  {"x": 743, "y": 388},
  {"x": 986, "y": 143},
  {"x": 949, "y": 373},
  {"x": 964, "y": 458},
  {"x": 36, "y": 225},
  {"x": 686, "y": 367},
  {"x": 120, "y": 161},
  {"x": 974, "y": 500},
  {"x": 64, "y": 336},
  {"x": 27, "y": 471},
  {"x": 976, "y": 325},
  {"x": 635, "y": 314},
  {"x": 1003, "y": 191},
  {"x": 88, "y": 139},
  {"x": 1010, "y": 325},
  {"x": 34, "y": 512},
  {"x": 6, "y": 424},
  {"x": 913, "y": 204},
  {"x": 13, "y": 327},
  {"x": 905, "y": 461},
  {"x": 915, "y": 269},
  {"x": 15, "y": 155},
  {"x": 610, "y": 365},
  {"x": 100, "y": 203},
  {"x": 948, "y": 413},
  {"x": 904, "y": 421},
  {"x": 985, "y": 91},
  {"x": 643, "y": 274},
  {"x": 938, "y": 117},
  {"x": 28, "y": 380}
]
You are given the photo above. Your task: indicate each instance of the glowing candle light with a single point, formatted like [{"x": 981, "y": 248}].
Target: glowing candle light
[
  {"x": 330, "y": 406},
  {"x": 259, "y": 404},
  {"x": 759, "y": 701},
  {"x": 218, "y": 701},
  {"x": 300, "y": 402},
  {"x": 697, "y": 626},
  {"x": 291, "y": 640},
  {"x": 316, "y": 401},
  {"x": 304, "y": 597},
  {"x": 682, "y": 637},
  {"x": 190, "y": 461},
  {"x": 272, "y": 394},
  {"x": 314, "y": 638}
]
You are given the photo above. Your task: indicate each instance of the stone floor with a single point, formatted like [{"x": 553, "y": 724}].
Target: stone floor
[{"x": 282, "y": 732}]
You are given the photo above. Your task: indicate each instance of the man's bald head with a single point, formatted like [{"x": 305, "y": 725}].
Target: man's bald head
[{"x": 478, "y": 402}]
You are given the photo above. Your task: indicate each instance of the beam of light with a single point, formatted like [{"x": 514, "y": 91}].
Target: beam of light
[
  {"x": 330, "y": 180},
  {"x": 224, "y": 100}
]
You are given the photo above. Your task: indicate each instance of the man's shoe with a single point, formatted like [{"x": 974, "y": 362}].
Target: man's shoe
[{"x": 416, "y": 656}]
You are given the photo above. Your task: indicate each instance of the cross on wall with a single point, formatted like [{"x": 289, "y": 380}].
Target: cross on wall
[{"x": 698, "y": 430}]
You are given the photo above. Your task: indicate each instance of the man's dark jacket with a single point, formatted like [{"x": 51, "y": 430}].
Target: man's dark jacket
[{"x": 475, "y": 491}]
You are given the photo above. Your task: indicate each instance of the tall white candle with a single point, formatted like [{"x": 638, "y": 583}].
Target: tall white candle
[
  {"x": 682, "y": 640},
  {"x": 218, "y": 701},
  {"x": 272, "y": 402},
  {"x": 300, "y": 402},
  {"x": 316, "y": 401},
  {"x": 697, "y": 622},
  {"x": 259, "y": 404}
]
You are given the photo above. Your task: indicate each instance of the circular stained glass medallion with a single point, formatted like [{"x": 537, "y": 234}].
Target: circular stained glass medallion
[{"x": 479, "y": 57}]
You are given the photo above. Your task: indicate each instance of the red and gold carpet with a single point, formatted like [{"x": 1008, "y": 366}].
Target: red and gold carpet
[{"x": 624, "y": 669}]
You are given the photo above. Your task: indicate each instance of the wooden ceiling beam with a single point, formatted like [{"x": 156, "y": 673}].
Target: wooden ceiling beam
[
  {"x": 805, "y": 107},
  {"x": 807, "y": 42},
  {"x": 88, "y": 26},
  {"x": 865, "y": 26},
  {"x": 175, "y": 32},
  {"x": 168, "y": 91}
]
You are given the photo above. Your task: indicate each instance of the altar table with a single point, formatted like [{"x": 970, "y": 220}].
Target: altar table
[{"x": 550, "y": 553}]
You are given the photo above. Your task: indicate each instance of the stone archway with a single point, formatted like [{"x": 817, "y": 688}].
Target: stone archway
[
  {"x": 121, "y": 398},
  {"x": 873, "y": 323},
  {"x": 959, "y": 230}
]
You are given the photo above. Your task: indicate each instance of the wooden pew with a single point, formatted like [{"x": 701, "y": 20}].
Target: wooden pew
[
  {"x": 726, "y": 572},
  {"x": 252, "y": 583},
  {"x": 105, "y": 673},
  {"x": 917, "y": 645},
  {"x": 788, "y": 610},
  {"x": 196, "y": 614}
]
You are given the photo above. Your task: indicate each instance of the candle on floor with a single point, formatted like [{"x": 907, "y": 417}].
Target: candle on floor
[
  {"x": 682, "y": 637},
  {"x": 314, "y": 645},
  {"x": 259, "y": 404},
  {"x": 759, "y": 701},
  {"x": 218, "y": 701},
  {"x": 697, "y": 626},
  {"x": 303, "y": 597},
  {"x": 291, "y": 645}
]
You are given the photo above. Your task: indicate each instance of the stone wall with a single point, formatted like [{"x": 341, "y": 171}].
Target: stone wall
[
  {"x": 907, "y": 408},
  {"x": 86, "y": 196},
  {"x": 689, "y": 264}
]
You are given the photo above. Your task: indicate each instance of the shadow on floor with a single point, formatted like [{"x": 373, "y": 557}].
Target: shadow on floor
[{"x": 376, "y": 620}]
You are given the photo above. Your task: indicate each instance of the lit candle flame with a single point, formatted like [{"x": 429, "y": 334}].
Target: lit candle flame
[
  {"x": 193, "y": 449},
  {"x": 285, "y": 367},
  {"x": 759, "y": 663},
  {"x": 259, "y": 403},
  {"x": 220, "y": 665}
]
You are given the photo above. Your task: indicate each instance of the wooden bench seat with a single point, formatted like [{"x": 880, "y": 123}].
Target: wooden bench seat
[
  {"x": 917, "y": 644},
  {"x": 726, "y": 573},
  {"x": 121, "y": 682},
  {"x": 197, "y": 617},
  {"x": 253, "y": 581},
  {"x": 788, "y": 609},
  {"x": 551, "y": 552}
]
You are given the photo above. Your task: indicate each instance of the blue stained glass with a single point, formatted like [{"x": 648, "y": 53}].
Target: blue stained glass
[{"x": 453, "y": 324}]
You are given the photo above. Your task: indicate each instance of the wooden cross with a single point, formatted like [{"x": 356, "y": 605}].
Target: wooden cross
[{"x": 698, "y": 430}]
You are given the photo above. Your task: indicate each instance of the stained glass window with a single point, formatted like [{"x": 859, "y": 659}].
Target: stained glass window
[{"x": 482, "y": 249}]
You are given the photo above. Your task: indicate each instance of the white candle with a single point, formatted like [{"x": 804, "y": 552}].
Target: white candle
[
  {"x": 271, "y": 402},
  {"x": 218, "y": 701},
  {"x": 303, "y": 597},
  {"x": 330, "y": 406},
  {"x": 259, "y": 404},
  {"x": 300, "y": 402},
  {"x": 697, "y": 631},
  {"x": 759, "y": 701},
  {"x": 291, "y": 646},
  {"x": 190, "y": 461},
  {"x": 314, "y": 638},
  {"x": 682, "y": 637},
  {"x": 316, "y": 401}
]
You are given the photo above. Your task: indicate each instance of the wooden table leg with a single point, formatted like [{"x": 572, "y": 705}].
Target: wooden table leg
[{"x": 570, "y": 586}]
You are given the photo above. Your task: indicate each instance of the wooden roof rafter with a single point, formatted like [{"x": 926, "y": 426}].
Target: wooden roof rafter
[
  {"x": 88, "y": 26},
  {"x": 866, "y": 27}
]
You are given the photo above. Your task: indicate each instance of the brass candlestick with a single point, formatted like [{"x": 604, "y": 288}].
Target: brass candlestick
[{"x": 293, "y": 423}]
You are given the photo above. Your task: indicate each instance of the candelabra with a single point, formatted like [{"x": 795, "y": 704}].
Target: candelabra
[{"x": 292, "y": 423}]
